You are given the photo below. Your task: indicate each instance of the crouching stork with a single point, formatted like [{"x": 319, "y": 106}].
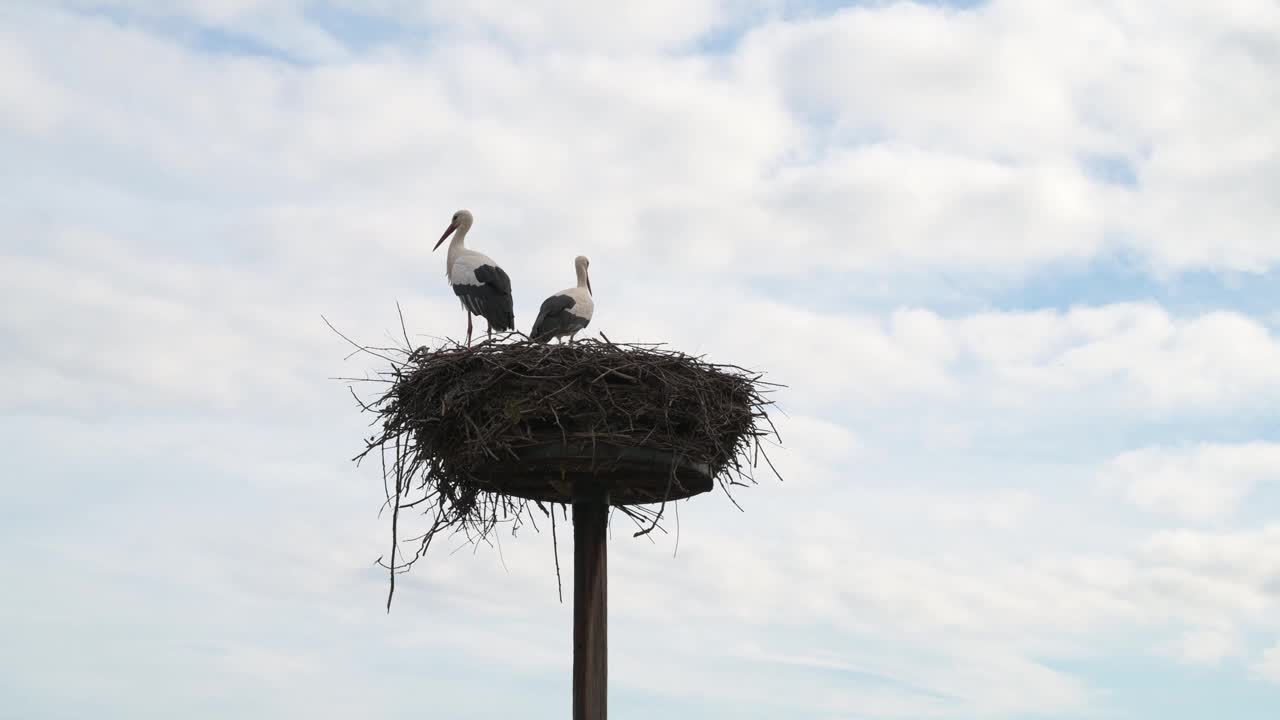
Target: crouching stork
[
  {"x": 482, "y": 287},
  {"x": 568, "y": 311}
]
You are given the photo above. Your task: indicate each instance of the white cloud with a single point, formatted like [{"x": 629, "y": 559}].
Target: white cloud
[
  {"x": 977, "y": 123},
  {"x": 1249, "y": 554},
  {"x": 1028, "y": 89},
  {"x": 1206, "y": 647},
  {"x": 279, "y": 25},
  {"x": 1136, "y": 359},
  {"x": 1268, "y": 666},
  {"x": 26, "y": 101},
  {"x": 554, "y": 27},
  {"x": 1197, "y": 483}
]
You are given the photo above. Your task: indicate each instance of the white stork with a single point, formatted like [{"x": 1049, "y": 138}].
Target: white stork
[
  {"x": 568, "y": 311},
  {"x": 482, "y": 287}
]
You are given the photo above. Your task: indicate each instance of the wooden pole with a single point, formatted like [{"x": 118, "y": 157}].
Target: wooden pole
[{"x": 590, "y": 609}]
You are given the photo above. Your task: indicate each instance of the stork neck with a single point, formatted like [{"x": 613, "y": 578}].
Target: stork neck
[
  {"x": 456, "y": 245},
  {"x": 458, "y": 241},
  {"x": 582, "y": 276}
]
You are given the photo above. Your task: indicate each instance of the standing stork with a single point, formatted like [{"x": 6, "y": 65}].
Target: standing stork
[
  {"x": 482, "y": 287},
  {"x": 568, "y": 311}
]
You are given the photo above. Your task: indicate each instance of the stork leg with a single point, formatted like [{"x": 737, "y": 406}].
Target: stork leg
[
  {"x": 468, "y": 328},
  {"x": 488, "y": 329}
]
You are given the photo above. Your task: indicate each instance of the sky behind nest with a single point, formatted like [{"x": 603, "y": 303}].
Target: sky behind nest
[{"x": 1016, "y": 261}]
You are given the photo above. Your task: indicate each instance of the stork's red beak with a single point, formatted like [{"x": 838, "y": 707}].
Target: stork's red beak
[
  {"x": 589, "y": 286},
  {"x": 448, "y": 231}
]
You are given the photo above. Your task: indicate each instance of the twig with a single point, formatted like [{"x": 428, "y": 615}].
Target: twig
[{"x": 555, "y": 551}]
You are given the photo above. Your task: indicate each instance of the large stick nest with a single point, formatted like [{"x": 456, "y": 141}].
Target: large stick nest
[{"x": 475, "y": 436}]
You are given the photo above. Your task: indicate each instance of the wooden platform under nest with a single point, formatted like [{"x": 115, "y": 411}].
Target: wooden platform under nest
[{"x": 623, "y": 475}]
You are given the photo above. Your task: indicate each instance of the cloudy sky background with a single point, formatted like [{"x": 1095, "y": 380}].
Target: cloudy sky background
[{"x": 1016, "y": 261}]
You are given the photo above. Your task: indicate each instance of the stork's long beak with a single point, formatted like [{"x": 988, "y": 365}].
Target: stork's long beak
[
  {"x": 448, "y": 231},
  {"x": 589, "y": 285}
]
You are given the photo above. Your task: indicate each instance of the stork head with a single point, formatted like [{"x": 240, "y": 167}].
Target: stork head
[
  {"x": 580, "y": 264},
  {"x": 461, "y": 222}
]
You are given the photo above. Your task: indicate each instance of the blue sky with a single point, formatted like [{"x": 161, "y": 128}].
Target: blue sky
[{"x": 1015, "y": 261}]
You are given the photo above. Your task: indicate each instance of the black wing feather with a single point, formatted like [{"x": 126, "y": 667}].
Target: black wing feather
[
  {"x": 552, "y": 310},
  {"x": 491, "y": 299},
  {"x": 496, "y": 277}
]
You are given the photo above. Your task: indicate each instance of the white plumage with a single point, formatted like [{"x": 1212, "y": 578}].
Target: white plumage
[{"x": 462, "y": 265}]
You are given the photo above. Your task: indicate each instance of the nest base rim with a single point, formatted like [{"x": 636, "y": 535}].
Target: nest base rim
[{"x": 565, "y": 471}]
